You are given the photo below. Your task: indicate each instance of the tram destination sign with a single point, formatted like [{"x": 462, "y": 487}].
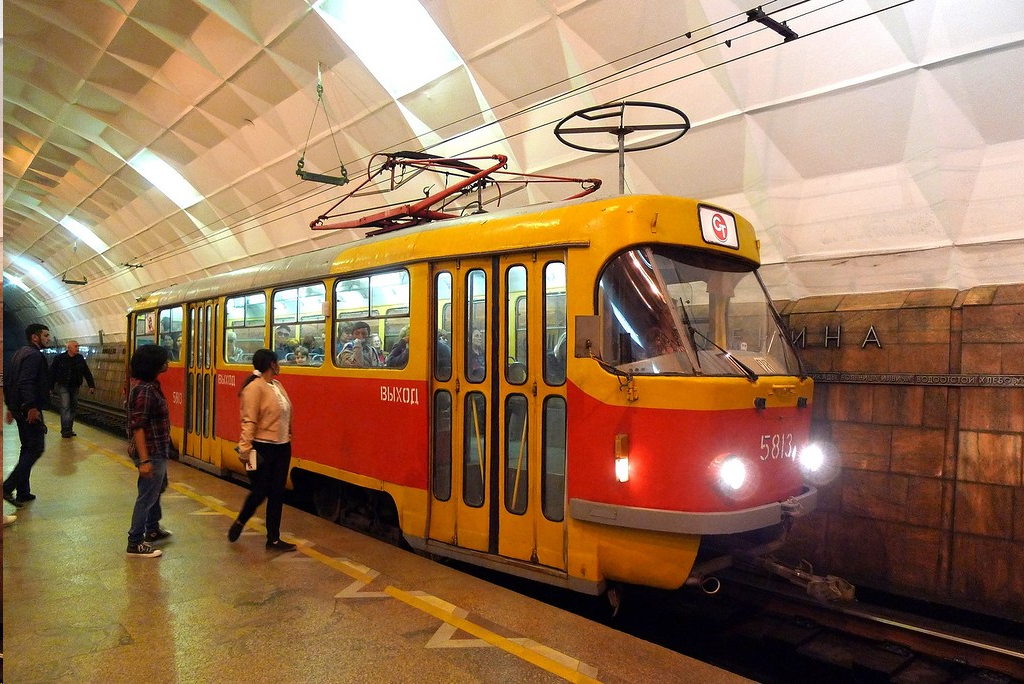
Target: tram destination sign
[{"x": 928, "y": 379}]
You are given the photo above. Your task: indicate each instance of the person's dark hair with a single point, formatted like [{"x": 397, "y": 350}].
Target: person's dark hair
[
  {"x": 34, "y": 329},
  {"x": 360, "y": 325},
  {"x": 262, "y": 359},
  {"x": 147, "y": 362}
]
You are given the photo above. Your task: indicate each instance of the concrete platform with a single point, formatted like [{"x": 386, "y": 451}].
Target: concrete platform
[{"x": 344, "y": 608}]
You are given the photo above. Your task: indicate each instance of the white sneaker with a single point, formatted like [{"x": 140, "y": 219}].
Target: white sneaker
[{"x": 8, "y": 519}]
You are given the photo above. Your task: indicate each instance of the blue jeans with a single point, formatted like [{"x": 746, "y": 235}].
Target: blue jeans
[
  {"x": 33, "y": 442},
  {"x": 68, "y": 408},
  {"x": 147, "y": 513}
]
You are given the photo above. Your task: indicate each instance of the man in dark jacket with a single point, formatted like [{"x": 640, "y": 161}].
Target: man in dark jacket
[
  {"x": 68, "y": 371},
  {"x": 26, "y": 389}
]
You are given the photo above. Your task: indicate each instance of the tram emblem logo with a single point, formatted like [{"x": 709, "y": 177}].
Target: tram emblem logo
[{"x": 718, "y": 227}]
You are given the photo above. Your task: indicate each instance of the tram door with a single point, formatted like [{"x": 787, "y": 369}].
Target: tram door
[
  {"x": 199, "y": 381},
  {"x": 487, "y": 469}
]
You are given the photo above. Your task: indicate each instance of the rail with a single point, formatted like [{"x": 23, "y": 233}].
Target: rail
[{"x": 920, "y": 635}]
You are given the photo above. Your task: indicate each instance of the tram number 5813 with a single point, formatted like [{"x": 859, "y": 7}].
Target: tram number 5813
[{"x": 776, "y": 446}]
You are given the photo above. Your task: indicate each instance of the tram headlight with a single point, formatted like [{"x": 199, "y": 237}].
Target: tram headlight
[
  {"x": 819, "y": 462},
  {"x": 812, "y": 458},
  {"x": 732, "y": 474}
]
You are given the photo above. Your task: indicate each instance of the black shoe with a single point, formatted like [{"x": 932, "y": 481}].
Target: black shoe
[
  {"x": 236, "y": 531},
  {"x": 158, "y": 534},
  {"x": 9, "y": 498},
  {"x": 24, "y": 499},
  {"x": 143, "y": 550},
  {"x": 66, "y": 435},
  {"x": 278, "y": 545}
]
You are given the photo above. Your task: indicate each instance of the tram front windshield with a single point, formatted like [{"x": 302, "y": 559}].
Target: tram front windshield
[{"x": 675, "y": 310}]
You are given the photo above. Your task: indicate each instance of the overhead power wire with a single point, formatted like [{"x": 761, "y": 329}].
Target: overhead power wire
[
  {"x": 229, "y": 230},
  {"x": 197, "y": 236}
]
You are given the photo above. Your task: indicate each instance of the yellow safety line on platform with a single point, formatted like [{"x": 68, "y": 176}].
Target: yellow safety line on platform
[
  {"x": 490, "y": 637},
  {"x": 505, "y": 644}
]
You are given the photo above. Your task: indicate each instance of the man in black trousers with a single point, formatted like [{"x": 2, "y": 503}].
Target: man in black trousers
[
  {"x": 68, "y": 371},
  {"x": 26, "y": 390}
]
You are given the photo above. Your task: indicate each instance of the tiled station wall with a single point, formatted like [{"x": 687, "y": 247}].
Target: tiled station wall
[
  {"x": 922, "y": 395},
  {"x": 107, "y": 364}
]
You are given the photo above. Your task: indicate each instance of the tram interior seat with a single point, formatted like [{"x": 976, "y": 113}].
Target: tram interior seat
[
  {"x": 554, "y": 363},
  {"x": 516, "y": 373}
]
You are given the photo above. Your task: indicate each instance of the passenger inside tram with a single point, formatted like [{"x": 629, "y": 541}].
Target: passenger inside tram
[
  {"x": 360, "y": 351},
  {"x": 344, "y": 337},
  {"x": 398, "y": 357},
  {"x": 232, "y": 352},
  {"x": 443, "y": 357},
  {"x": 476, "y": 363},
  {"x": 284, "y": 344}
]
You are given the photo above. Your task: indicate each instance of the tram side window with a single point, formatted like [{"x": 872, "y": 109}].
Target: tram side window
[
  {"x": 517, "y": 355},
  {"x": 517, "y": 454},
  {"x": 442, "y": 326},
  {"x": 475, "y": 342},
  {"x": 372, "y": 319},
  {"x": 553, "y": 459},
  {"x": 245, "y": 326},
  {"x": 300, "y": 325},
  {"x": 170, "y": 332},
  {"x": 556, "y": 347},
  {"x": 441, "y": 480},
  {"x": 145, "y": 328},
  {"x": 474, "y": 449}
]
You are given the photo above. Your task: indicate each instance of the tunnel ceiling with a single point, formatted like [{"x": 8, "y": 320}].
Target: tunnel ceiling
[{"x": 880, "y": 150}]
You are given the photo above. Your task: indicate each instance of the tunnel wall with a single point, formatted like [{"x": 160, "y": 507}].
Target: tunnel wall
[{"x": 922, "y": 395}]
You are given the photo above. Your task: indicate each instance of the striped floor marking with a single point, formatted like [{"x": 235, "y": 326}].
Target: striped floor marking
[{"x": 452, "y": 617}]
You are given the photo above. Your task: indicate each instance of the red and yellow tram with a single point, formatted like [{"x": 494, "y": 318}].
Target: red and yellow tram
[{"x": 594, "y": 391}]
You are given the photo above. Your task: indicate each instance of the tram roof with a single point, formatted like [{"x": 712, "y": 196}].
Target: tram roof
[
  {"x": 524, "y": 228},
  {"x": 359, "y": 255}
]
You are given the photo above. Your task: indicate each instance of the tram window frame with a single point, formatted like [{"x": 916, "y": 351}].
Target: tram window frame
[
  {"x": 252, "y": 324},
  {"x": 145, "y": 328},
  {"x": 305, "y": 314},
  {"x": 170, "y": 325},
  {"x": 517, "y": 349},
  {"x": 382, "y": 301},
  {"x": 556, "y": 330}
]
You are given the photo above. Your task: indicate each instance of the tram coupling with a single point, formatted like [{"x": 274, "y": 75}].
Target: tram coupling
[{"x": 821, "y": 588}]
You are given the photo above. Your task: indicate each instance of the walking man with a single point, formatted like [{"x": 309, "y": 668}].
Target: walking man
[
  {"x": 68, "y": 371},
  {"x": 26, "y": 389}
]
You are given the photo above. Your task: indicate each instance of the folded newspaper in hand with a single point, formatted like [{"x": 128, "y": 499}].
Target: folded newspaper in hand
[{"x": 251, "y": 463}]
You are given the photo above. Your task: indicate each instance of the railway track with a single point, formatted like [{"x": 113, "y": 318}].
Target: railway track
[
  {"x": 100, "y": 415},
  {"x": 870, "y": 641}
]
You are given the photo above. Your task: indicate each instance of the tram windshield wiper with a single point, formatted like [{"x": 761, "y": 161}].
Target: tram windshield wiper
[{"x": 751, "y": 375}]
